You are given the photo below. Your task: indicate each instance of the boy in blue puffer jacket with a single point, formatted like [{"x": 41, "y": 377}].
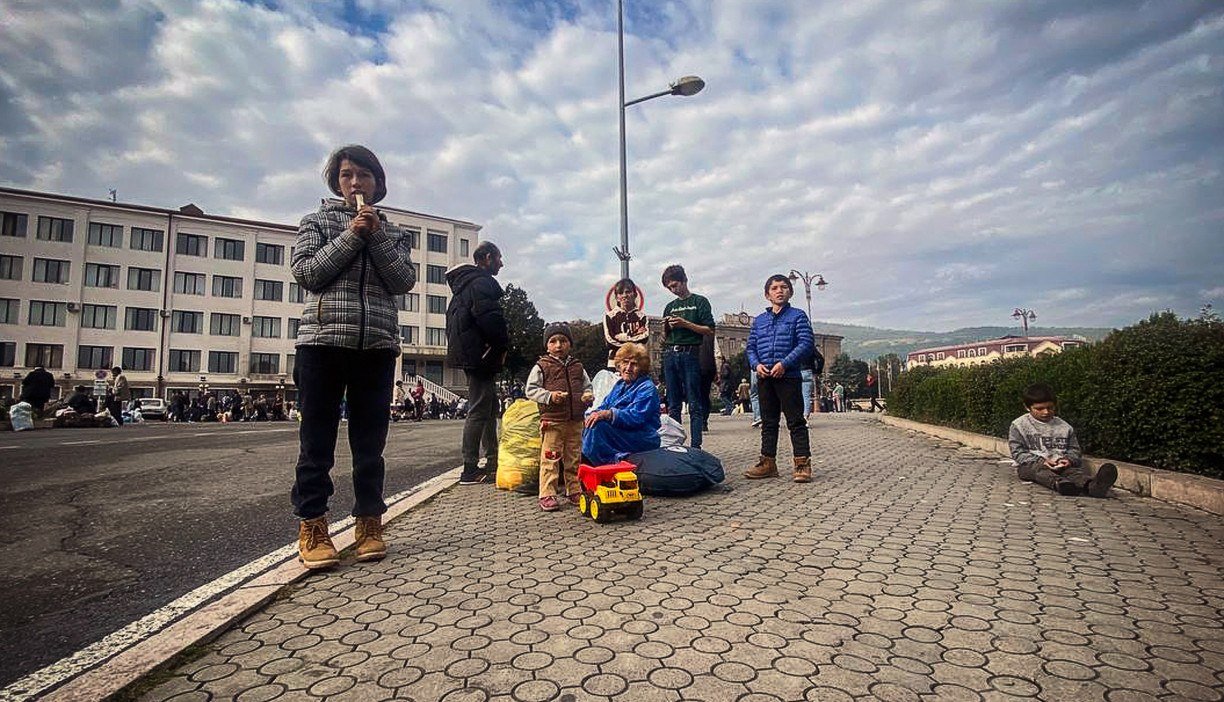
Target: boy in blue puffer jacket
[{"x": 779, "y": 345}]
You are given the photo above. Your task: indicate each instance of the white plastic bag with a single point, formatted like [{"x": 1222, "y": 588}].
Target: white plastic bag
[
  {"x": 22, "y": 416},
  {"x": 671, "y": 433},
  {"x": 602, "y": 384}
]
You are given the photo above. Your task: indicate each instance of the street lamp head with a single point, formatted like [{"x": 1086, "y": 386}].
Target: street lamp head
[
  {"x": 820, "y": 283},
  {"x": 688, "y": 85},
  {"x": 794, "y": 275}
]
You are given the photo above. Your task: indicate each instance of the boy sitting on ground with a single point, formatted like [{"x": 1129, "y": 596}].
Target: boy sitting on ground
[
  {"x": 1046, "y": 451},
  {"x": 562, "y": 387}
]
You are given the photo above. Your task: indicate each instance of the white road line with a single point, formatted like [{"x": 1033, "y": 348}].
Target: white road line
[
  {"x": 3, "y": 448},
  {"x": 116, "y": 642},
  {"x": 80, "y": 443}
]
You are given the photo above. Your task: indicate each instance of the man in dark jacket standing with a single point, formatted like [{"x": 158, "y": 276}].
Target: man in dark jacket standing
[
  {"x": 36, "y": 388},
  {"x": 478, "y": 339}
]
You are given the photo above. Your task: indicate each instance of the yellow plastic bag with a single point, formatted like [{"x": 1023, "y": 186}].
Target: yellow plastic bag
[{"x": 518, "y": 446}]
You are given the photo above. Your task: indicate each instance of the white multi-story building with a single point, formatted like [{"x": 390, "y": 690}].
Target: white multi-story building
[{"x": 182, "y": 299}]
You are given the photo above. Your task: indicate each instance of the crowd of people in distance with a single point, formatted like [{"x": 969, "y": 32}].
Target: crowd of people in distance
[
  {"x": 229, "y": 407},
  {"x": 411, "y": 405}
]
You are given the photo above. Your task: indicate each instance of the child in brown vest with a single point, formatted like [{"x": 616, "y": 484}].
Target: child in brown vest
[{"x": 562, "y": 387}]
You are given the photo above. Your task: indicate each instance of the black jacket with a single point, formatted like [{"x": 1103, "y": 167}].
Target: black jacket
[
  {"x": 476, "y": 331},
  {"x": 36, "y": 386}
]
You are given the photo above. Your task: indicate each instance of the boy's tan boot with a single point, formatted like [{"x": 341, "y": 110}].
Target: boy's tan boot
[
  {"x": 315, "y": 548},
  {"x": 765, "y": 467},
  {"x": 369, "y": 539},
  {"x": 803, "y": 469}
]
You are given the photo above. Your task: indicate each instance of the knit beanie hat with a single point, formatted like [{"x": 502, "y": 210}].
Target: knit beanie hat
[{"x": 557, "y": 328}]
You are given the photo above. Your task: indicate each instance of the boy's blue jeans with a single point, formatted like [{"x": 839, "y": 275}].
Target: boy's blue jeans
[
  {"x": 682, "y": 373},
  {"x": 754, "y": 397}
]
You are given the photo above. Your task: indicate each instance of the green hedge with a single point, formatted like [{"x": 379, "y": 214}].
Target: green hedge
[{"x": 1151, "y": 394}]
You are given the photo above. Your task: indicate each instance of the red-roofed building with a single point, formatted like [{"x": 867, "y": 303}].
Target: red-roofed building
[{"x": 976, "y": 352}]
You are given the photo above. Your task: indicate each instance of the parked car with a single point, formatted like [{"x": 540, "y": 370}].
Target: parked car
[{"x": 151, "y": 407}]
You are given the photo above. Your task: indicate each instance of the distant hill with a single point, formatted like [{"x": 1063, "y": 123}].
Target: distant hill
[{"x": 870, "y": 342}]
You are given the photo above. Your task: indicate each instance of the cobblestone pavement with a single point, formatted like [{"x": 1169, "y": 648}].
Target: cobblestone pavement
[{"x": 909, "y": 570}]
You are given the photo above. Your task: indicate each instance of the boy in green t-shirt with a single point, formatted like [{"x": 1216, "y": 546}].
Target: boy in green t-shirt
[{"x": 685, "y": 321}]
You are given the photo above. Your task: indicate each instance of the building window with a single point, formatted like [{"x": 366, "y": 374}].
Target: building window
[
  {"x": 101, "y": 275},
  {"x": 271, "y": 290},
  {"x": 435, "y": 274},
  {"x": 269, "y": 253},
  {"x": 435, "y": 336},
  {"x": 9, "y": 308},
  {"x": 105, "y": 234},
  {"x": 184, "y": 361},
  {"x": 98, "y": 316},
  {"x": 265, "y": 363},
  {"x": 12, "y": 224},
  {"x": 294, "y": 323},
  {"x": 290, "y": 363},
  {"x": 144, "y": 279},
  {"x": 47, "y": 314},
  {"x": 137, "y": 359},
  {"x": 190, "y": 283},
  {"x": 265, "y": 327},
  {"x": 408, "y": 334},
  {"x": 463, "y": 248},
  {"x": 409, "y": 302},
  {"x": 183, "y": 322},
  {"x": 939, "y": 356},
  {"x": 227, "y": 286},
  {"x": 146, "y": 239},
  {"x": 982, "y": 352},
  {"x": 416, "y": 271},
  {"x": 8, "y": 353},
  {"x": 95, "y": 357},
  {"x": 436, "y": 304},
  {"x": 140, "y": 319},
  {"x": 45, "y": 355},
  {"x": 222, "y": 361},
  {"x": 10, "y": 267},
  {"x": 229, "y": 249},
  {"x": 1015, "y": 348},
  {"x": 296, "y": 293},
  {"x": 50, "y": 270},
  {"x": 414, "y": 238},
  {"x": 436, "y": 241},
  {"x": 55, "y": 229},
  {"x": 220, "y": 324},
  {"x": 191, "y": 245},
  {"x": 1070, "y": 344}
]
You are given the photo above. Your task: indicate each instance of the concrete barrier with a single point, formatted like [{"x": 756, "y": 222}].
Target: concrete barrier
[{"x": 1186, "y": 489}]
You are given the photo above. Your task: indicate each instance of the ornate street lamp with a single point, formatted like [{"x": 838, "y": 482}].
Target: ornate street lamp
[
  {"x": 1025, "y": 316},
  {"x": 807, "y": 279}
]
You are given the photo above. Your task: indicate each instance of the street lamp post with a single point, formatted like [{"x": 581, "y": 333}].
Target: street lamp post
[
  {"x": 688, "y": 85},
  {"x": 1025, "y": 316},
  {"x": 807, "y": 279}
]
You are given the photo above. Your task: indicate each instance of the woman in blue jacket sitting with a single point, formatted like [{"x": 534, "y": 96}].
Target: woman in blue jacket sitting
[
  {"x": 627, "y": 421},
  {"x": 779, "y": 344}
]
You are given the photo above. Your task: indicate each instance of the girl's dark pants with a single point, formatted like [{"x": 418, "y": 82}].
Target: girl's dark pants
[
  {"x": 323, "y": 374},
  {"x": 782, "y": 396}
]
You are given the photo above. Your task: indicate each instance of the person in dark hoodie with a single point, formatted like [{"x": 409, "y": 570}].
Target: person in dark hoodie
[
  {"x": 353, "y": 264},
  {"x": 36, "y": 388},
  {"x": 478, "y": 339}
]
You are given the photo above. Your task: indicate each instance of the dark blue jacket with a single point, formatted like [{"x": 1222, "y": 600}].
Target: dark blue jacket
[{"x": 785, "y": 336}]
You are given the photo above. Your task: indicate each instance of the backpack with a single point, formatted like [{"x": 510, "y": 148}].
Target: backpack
[{"x": 675, "y": 471}]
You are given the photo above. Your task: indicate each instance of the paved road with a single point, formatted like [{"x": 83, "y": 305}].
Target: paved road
[
  {"x": 103, "y": 526},
  {"x": 909, "y": 570}
]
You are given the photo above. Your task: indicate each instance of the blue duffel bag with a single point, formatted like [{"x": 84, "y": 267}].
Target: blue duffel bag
[{"x": 674, "y": 471}]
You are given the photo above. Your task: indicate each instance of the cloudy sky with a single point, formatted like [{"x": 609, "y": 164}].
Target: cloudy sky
[{"x": 939, "y": 162}]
